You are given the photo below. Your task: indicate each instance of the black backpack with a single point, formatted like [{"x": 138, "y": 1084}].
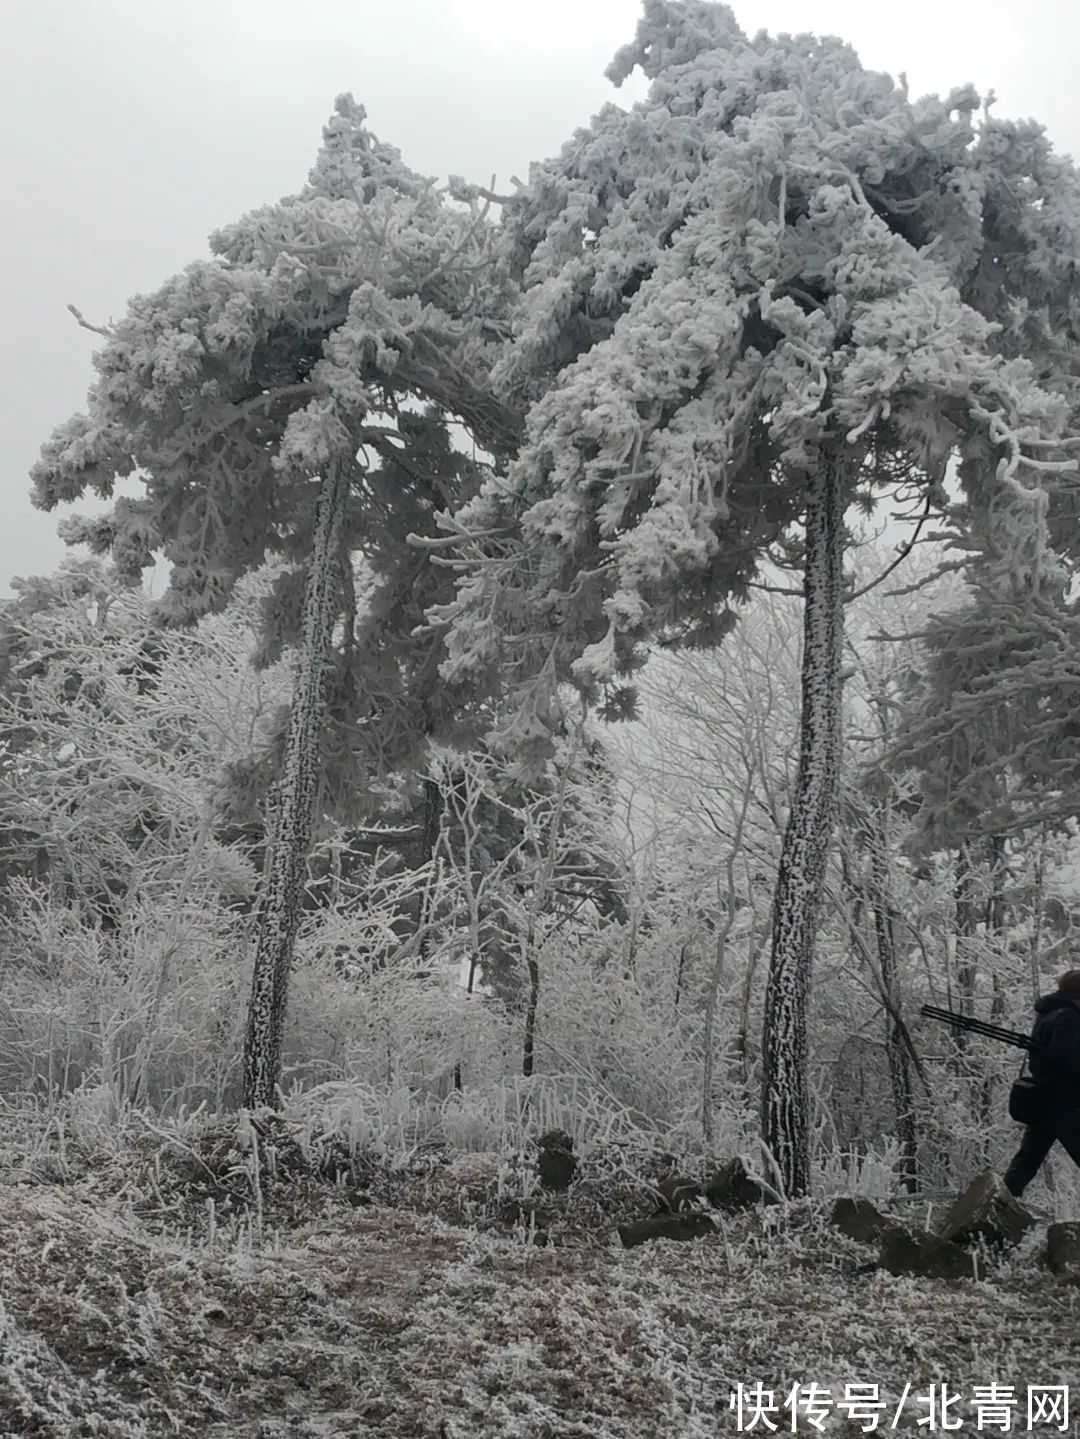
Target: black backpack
[{"x": 1027, "y": 1097}]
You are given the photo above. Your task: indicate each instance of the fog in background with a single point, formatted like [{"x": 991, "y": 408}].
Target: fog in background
[{"x": 135, "y": 127}]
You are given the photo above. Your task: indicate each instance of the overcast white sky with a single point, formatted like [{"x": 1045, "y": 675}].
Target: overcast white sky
[{"x": 135, "y": 127}]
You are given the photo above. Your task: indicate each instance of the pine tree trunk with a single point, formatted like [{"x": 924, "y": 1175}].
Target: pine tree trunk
[
  {"x": 801, "y": 877},
  {"x": 1038, "y": 915},
  {"x": 709, "y": 1040},
  {"x": 995, "y": 926},
  {"x": 289, "y": 844},
  {"x": 966, "y": 926},
  {"x": 895, "y": 1048},
  {"x": 431, "y": 833},
  {"x": 532, "y": 1006},
  {"x": 964, "y": 937}
]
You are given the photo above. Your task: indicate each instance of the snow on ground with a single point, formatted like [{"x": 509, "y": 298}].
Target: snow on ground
[{"x": 416, "y": 1304}]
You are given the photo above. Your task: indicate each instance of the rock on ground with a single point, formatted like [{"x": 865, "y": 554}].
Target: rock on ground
[
  {"x": 665, "y": 1226},
  {"x": 731, "y": 1187},
  {"x": 555, "y": 1159},
  {"x": 918, "y": 1252},
  {"x": 985, "y": 1211},
  {"x": 858, "y": 1219},
  {"x": 678, "y": 1194},
  {"x": 1063, "y": 1250}
]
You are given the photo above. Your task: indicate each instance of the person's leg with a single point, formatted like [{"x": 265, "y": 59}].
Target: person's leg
[
  {"x": 1067, "y": 1129},
  {"x": 1034, "y": 1147}
]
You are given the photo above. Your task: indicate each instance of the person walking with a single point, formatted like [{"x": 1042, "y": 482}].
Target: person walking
[{"x": 1055, "y": 1066}]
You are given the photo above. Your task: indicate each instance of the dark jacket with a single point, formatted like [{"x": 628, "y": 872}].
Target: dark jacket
[{"x": 1057, "y": 1033}]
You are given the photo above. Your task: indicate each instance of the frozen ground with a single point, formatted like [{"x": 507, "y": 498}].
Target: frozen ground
[{"x": 178, "y": 1290}]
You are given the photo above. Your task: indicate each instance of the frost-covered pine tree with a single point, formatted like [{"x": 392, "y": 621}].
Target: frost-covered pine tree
[
  {"x": 989, "y": 722},
  {"x": 278, "y": 401},
  {"x": 767, "y": 292}
]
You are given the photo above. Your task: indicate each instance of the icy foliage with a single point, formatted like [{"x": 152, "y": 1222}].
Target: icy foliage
[
  {"x": 236, "y": 382},
  {"x": 775, "y": 256},
  {"x": 122, "y": 897},
  {"x": 990, "y": 720},
  {"x": 127, "y": 954}
]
